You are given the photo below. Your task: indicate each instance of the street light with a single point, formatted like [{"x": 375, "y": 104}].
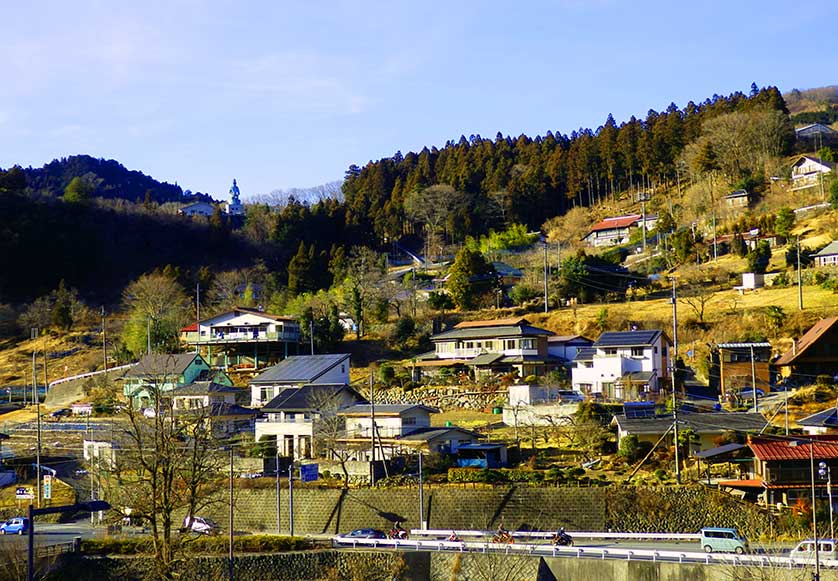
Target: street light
[
  {"x": 91, "y": 506},
  {"x": 825, "y": 472}
]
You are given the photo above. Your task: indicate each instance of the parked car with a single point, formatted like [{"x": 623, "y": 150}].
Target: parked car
[
  {"x": 827, "y": 549},
  {"x": 60, "y": 413},
  {"x": 363, "y": 534},
  {"x": 15, "y": 526},
  {"x": 723, "y": 540},
  {"x": 570, "y": 396},
  {"x": 201, "y": 525}
]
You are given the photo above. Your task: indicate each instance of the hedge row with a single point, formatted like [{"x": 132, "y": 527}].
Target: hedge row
[
  {"x": 207, "y": 545},
  {"x": 491, "y": 475}
]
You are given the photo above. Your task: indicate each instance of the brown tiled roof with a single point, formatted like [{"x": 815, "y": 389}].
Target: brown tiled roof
[
  {"x": 826, "y": 448},
  {"x": 807, "y": 340},
  {"x": 492, "y": 323},
  {"x": 617, "y": 222}
]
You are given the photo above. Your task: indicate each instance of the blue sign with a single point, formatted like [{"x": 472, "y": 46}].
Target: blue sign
[{"x": 308, "y": 472}]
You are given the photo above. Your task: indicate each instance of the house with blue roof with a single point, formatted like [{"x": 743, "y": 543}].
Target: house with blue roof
[{"x": 623, "y": 365}]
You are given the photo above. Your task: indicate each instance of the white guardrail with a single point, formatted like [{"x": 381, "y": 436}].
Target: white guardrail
[
  {"x": 548, "y": 550},
  {"x": 574, "y": 534},
  {"x": 89, "y": 374}
]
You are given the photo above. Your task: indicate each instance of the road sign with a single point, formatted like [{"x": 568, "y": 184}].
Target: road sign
[
  {"x": 47, "y": 486},
  {"x": 24, "y": 493},
  {"x": 308, "y": 472}
]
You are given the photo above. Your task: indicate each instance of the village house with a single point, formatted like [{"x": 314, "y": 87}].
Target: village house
[
  {"x": 623, "y": 365},
  {"x": 808, "y": 171},
  {"x": 290, "y": 417},
  {"x": 815, "y": 353},
  {"x": 500, "y": 346},
  {"x": 737, "y": 199},
  {"x": 330, "y": 370},
  {"x": 816, "y": 132},
  {"x": 565, "y": 347},
  {"x": 215, "y": 403},
  {"x": 707, "y": 427},
  {"x": 197, "y": 209},
  {"x": 161, "y": 373},
  {"x": 827, "y": 256},
  {"x": 243, "y": 338},
  {"x": 617, "y": 230}
]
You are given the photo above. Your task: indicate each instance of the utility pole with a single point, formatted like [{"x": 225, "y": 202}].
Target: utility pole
[
  {"x": 421, "y": 496},
  {"x": 104, "y": 342},
  {"x": 276, "y": 466},
  {"x": 673, "y": 357},
  {"x": 754, "y": 379},
  {"x": 230, "y": 549},
  {"x": 545, "y": 276},
  {"x": 311, "y": 334},
  {"x": 372, "y": 430},
  {"x": 799, "y": 279}
]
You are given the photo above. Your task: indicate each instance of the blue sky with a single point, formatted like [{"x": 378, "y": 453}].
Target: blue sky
[{"x": 282, "y": 94}]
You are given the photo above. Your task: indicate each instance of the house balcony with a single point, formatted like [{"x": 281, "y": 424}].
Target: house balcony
[{"x": 193, "y": 338}]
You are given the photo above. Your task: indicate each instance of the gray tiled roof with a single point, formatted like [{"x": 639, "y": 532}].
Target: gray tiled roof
[
  {"x": 308, "y": 397},
  {"x": 426, "y": 434},
  {"x": 829, "y": 249},
  {"x": 385, "y": 409},
  {"x": 301, "y": 368},
  {"x": 162, "y": 364},
  {"x": 716, "y": 422},
  {"x": 627, "y": 339}
]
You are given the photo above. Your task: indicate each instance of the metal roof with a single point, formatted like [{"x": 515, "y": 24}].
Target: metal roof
[
  {"x": 308, "y": 397},
  {"x": 829, "y": 249},
  {"x": 808, "y": 339},
  {"x": 760, "y": 345},
  {"x": 499, "y": 332},
  {"x": 627, "y": 338},
  {"x": 426, "y": 434},
  {"x": 712, "y": 422},
  {"x": 827, "y": 418},
  {"x": 719, "y": 451},
  {"x": 162, "y": 364},
  {"x": 585, "y": 354},
  {"x": 363, "y": 409},
  {"x": 301, "y": 368}
]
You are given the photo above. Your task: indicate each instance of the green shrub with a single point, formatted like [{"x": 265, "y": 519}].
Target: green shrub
[{"x": 204, "y": 544}]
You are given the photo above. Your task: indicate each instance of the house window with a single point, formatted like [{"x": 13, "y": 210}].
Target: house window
[
  {"x": 265, "y": 394},
  {"x": 510, "y": 343},
  {"x": 342, "y": 368},
  {"x": 588, "y": 364},
  {"x": 610, "y": 351},
  {"x": 527, "y": 344},
  {"x": 409, "y": 421},
  {"x": 637, "y": 351}
]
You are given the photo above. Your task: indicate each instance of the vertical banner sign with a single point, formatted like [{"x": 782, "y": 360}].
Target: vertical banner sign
[{"x": 47, "y": 486}]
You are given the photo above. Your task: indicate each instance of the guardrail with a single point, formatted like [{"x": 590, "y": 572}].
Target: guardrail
[
  {"x": 545, "y": 550},
  {"x": 54, "y": 549},
  {"x": 574, "y": 534},
  {"x": 90, "y": 374}
]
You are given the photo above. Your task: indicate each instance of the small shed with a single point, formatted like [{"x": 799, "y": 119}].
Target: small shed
[
  {"x": 82, "y": 409},
  {"x": 482, "y": 456}
]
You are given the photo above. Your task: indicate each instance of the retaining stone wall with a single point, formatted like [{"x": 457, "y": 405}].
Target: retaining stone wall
[{"x": 629, "y": 509}]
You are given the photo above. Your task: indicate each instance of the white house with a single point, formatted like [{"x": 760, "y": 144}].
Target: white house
[
  {"x": 197, "y": 209},
  {"x": 807, "y": 171},
  {"x": 828, "y": 256},
  {"x": 617, "y": 230},
  {"x": 215, "y": 404},
  {"x": 291, "y": 416},
  {"x": 243, "y": 337},
  {"x": 814, "y": 131},
  {"x": 623, "y": 365},
  {"x": 298, "y": 371},
  {"x": 391, "y": 420}
]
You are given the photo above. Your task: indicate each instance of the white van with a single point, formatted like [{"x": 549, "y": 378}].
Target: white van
[
  {"x": 201, "y": 525},
  {"x": 806, "y": 549},
  {"x": 723, "y": 540}
]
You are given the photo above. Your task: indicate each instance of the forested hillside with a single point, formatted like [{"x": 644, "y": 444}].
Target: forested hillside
[
  {"x": 106, "y": 178},
  {"x": 529, "y": 180}
]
